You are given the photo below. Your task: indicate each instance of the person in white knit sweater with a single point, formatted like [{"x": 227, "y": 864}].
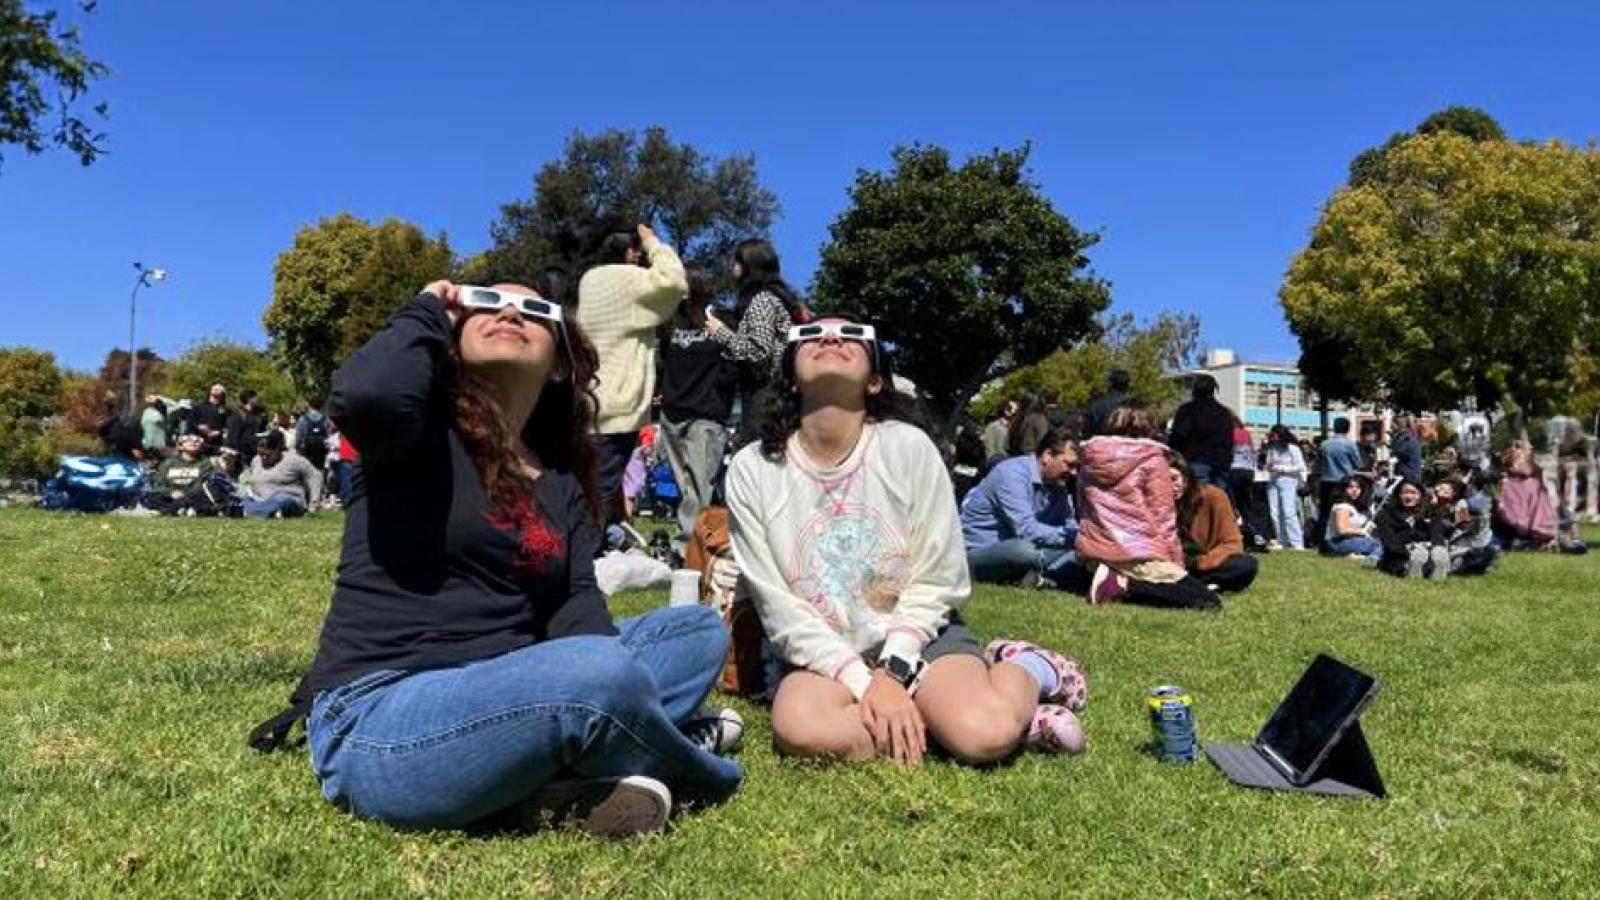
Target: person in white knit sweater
[{"x": 845, "y": 530}]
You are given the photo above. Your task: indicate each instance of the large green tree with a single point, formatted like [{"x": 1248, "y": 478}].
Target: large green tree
[
  {"x": 44, "y": 75},
  {"x": 969, "y": 271},
  {"x": 338, "y": 284},
  {"x": 30, "y": 383},
  {"x": 236, "y": 366},
  {"x": 1470, "y": 271},
  {"x": 1370, "y": 166},
  {"x": 700, "y": 204}
]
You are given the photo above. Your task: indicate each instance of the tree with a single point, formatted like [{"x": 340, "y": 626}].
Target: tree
[
  {"x": 968, "y": 271},
  {"x": 39, "y": 58},
  {"x": 699, "y": 204},
  {"x": 338, "y": 285},
  {"x": 152, "y": 373},
  {"x": 30, "y": 383},
  {"x": 236, "y": 366},
  {"x": 1471, "y": 271},
  {"x": 1467, "y": 121},
  {"x": 1149, "y": 353}
]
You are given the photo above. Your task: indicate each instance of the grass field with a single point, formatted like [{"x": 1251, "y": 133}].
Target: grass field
[{"x": 135, "y": 655}]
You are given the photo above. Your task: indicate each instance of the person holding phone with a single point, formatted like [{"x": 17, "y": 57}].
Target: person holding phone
[
  {"x": 468, "y": 666},
  {"x": 845, "y": 529}
]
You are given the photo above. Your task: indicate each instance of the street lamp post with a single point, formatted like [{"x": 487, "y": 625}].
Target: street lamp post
[{"x": 146, "y": 278}]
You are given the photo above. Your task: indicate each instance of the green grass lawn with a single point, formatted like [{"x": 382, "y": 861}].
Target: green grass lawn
[{"x": 135, "y": 655}]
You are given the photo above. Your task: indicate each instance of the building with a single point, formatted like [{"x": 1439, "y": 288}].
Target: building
[{"x": 1267, "y": 394}]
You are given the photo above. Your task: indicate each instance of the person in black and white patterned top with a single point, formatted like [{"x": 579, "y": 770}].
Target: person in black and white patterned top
[{"x": 767, "y": 307}]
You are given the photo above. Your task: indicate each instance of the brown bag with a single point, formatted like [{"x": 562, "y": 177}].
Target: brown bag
[{"x": 711, "y": 541}]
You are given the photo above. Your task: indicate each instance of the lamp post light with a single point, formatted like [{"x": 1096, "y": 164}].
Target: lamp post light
[{"x": 146, "y": 278}]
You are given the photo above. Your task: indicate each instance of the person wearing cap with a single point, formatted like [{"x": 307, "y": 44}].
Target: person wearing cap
[{"x": 211, "y": 418}]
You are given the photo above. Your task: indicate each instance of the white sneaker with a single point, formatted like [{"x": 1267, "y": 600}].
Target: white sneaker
[
  {"x": 716, "y": 729},
  {"x": 607, "y": 807}
]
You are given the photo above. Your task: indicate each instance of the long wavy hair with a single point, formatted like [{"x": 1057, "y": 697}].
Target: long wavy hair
[
  {"x": 1189, "y": 500},
  {"x": 778, "y": 406},
  {"x": 557, "y": 431}
]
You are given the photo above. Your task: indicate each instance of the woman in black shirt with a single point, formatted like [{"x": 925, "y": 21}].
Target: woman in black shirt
[{"x": 468, "y": 664}]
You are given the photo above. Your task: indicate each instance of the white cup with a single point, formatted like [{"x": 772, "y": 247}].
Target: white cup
[{"x": 685, "y": 587}]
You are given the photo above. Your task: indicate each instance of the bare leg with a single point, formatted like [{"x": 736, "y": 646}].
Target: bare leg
[
  {"x": 814, "y": 716},
  {"x": 978, "y": 713}
]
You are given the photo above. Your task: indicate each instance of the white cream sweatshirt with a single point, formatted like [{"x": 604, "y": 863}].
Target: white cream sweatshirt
[
  {"x": 620, "y": 307},
  {"x": 857, "y": 562}
]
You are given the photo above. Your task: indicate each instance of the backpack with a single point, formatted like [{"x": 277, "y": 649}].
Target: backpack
[
  {"x": 743, "y": 673},
  {"x": 315, "y": 443}
]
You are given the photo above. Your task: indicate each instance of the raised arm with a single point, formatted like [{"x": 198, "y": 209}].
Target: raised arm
[{"x": 388, "y": 394}]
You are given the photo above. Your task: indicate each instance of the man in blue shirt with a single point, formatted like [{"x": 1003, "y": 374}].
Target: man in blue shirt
[
  {"x": 1340, "y": 458},
  {"x": 1018, "y": 522}
]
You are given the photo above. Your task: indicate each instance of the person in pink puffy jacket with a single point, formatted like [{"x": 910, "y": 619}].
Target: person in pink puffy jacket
[{"x": 1128, "y": 519}]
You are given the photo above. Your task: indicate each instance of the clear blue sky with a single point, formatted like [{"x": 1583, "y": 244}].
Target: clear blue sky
[{"x": 1200, "y": 140}]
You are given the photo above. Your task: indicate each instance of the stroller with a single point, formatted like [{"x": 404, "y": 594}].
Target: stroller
[{"x": 661, "y": 494}]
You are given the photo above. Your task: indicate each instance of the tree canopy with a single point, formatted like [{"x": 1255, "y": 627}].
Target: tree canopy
[
  {"x": 44, "y": 74},
  {"x": 1471, "y": 270},
  {"x": 1149, "y": 353},
  {"x": 338, "y": 285},
  {"x": 236, "y": 366},
  {"x": 1370, "y": 165},
  {"x": 699, "y": 204},
  {"x": 968, "y": 271},
  {"x": 30, "y": 383}
]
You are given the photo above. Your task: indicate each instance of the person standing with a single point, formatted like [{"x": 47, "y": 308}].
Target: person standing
[
  {"x": 211, "y": 419},
  {"x": 767, "y": 307},
  {"x": 1028, "y": 426},
  {"x": 246, "y": 425},
  {"x": 153, "y": 426},
  {"x": 1339, "y": 458},
  {"x": 697, "y": 386},
  {"x": 1286, "y": 471},
  {"x": 621, "y": 306},
  {"x": 1202, "y": 431},
  {"x": 311, "y": 432},
  {"x": 1101, "y": 408},
  {"x": 1405, "y": 448},
  {"x": 996, "y": 433}
]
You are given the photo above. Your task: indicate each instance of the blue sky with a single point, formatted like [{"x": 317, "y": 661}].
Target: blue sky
[{"x": 1200, "y": 138}]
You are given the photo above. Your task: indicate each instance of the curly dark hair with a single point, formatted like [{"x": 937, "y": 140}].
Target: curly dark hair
[
  {"x": 778, "y": 405},
  {"x": 558, "y": 430}
]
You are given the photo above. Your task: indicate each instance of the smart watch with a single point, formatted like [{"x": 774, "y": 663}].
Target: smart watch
[{"x": 906, "y": 671}]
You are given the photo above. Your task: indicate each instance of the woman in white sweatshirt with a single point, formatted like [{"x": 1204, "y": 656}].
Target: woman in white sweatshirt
[{"x": 845, "y": 528}]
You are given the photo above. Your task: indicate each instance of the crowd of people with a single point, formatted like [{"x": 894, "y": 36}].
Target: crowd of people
[
  {"x": 468, "y": 671},
  {"x": 212, "y": 458}
]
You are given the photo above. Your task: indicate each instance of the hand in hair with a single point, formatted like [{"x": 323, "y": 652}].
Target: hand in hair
[{"x": 449, "y": 295}]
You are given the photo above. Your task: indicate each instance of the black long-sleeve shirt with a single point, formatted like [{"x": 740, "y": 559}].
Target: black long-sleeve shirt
[{"x": 430, "y": 574}]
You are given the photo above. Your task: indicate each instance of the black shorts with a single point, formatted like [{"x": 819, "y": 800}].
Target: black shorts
[{"x": 954, "y": 639}]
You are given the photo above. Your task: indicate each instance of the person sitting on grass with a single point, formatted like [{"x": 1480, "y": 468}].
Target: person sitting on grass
[
  {"x": 1018, "y": 522},
  {"x": 1213, "y": 547},
  {"x": 1414, "y": 540},
  {"x": 468, "y": 666},
  {"x": 1465, "y": 515},
  {"x": 178, "y": 480},
  {"x": 1349, "y": 527},
  {"x": 1128, "y": 519},
  {"x": 1524, "y": 518},
  {"x": 844, "y": 526},
  {"x": 279, "y": 484}
]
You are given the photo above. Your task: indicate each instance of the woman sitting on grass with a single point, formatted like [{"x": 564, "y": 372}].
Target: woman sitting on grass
[
  {"x": 844, "y": 526},
  {"x": 1413, "y": 539},
  {"x": 1128, "y": 518},
  {"x": 468, "y": 665},
  {"x": 1464, "y": 514},
  {"x": 1349, "y": 527},
  {"x": 1213, "y": 547}
]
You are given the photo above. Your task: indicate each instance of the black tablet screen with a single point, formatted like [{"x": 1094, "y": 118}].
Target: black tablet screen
[{"x": 1310, "y": 718}]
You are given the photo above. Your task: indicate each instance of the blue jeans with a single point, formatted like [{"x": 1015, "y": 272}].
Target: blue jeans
[
  {"x": 694, "y": 449},
  {"x": 1284, "y": 497},
  {"x": 286, "y": 503},
  {"x": 443, "y": 748},
  {"x": 1009, "y": 560},
  {"x": 1204, "y": 474},
  {"x": 1364, "y": 546}
]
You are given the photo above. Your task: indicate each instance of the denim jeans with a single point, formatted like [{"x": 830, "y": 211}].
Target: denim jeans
[
  {"x": 1007, "y": 561},
  {"x": 283, "y": 502},
  {"x": 1204, "y": 474},
  {"x": 443, "y": 748},
  {"x": 694, "y": 449},
  {"x": 1284, "y": 496},
  {"x": 1358, "y": 544}
]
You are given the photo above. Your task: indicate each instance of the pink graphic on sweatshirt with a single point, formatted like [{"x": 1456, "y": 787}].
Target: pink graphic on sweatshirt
[{"x": 850, "y": 565}]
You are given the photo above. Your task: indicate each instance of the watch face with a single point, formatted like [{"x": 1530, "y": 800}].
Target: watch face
[{"x": 899, "y": 668}]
